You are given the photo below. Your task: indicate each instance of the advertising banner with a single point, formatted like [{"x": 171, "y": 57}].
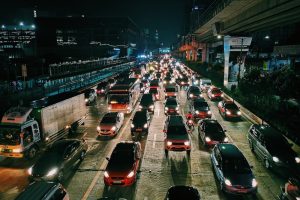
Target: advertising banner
[{"x": 235, "y": 50}]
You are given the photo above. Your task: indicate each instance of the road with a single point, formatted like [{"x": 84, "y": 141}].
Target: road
[{"x": 157, "y": 173}]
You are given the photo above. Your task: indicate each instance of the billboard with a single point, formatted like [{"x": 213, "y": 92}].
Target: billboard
[{"x": 235, "y": 50}]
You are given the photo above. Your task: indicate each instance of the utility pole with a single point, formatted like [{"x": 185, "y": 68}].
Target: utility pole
[{"x": 240, "y": 61}]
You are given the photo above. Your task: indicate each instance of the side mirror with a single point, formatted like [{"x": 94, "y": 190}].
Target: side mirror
[{"x": 107, "y": 158}]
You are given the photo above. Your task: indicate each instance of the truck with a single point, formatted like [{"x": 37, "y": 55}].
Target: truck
[{"x": 26, "y": 130}]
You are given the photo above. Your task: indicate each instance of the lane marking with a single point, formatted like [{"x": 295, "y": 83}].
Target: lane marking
[
  {"x": 154, "y": 140},
  {"x": 97, "y": 176}
]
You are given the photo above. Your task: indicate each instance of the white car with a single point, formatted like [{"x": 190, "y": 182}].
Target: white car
[{"x": 110, "y": 124}]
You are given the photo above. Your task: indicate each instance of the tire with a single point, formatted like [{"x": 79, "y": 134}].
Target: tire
[
  {"x": 267, "y": 164},
  {"x": 221, "y": 186},
  {"x": 31, "y": 153},
  {"x": 82, "y": 155},
  {"x": 188, "y": 152}
]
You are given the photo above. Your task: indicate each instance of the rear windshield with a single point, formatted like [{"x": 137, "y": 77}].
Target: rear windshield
[
  {"x": 231, "y": 106},
  {"x": 236, "y": 165},
  {"x": 170, "y": 90},
  {"x": 108, "y": 120},
  {"x": 176, "y": 130}
]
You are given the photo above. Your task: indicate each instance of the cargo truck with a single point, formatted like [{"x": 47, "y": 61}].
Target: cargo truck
[{"x": 25, "y": 130}]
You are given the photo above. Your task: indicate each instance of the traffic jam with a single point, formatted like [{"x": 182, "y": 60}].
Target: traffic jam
[{"x": 156, "y": 131}]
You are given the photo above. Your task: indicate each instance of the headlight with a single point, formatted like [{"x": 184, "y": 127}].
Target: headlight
[
  {"x": 275, "y": 159},
  {"x": 132, "y": 125},
  {"x": 109, "y": 107},
  {"x": 86, "y": 100},
  {"x": 106, "y": 175},
  {"x": 128, "y": 108},
  {"x": 196, "y": 82},
  {"x": 166, "y": 108},
  {"x": 227, "y": 182},
  {"x": 165, "y": 82},
  {"x": 113, "y": 128},
  {"x": 191, "y": 95},
  {"x": 190, "y": 121},
  {"x": 187, "y": 143},
  {"x": 297, "y": 159},
  {"x": 18, "y": 150},
  {"x": 30, "y": 170},
  {"x": 98, "y": 128},
  {"x": 197, "y": 112},
  {"x": 131, "y": 174},
  {"x": 239, "y": 113},
  {"x": 222, "y": 95},
  {"x": 254, "y": 183},
  {"x": 52, "y": 172},
  {"x": 177, "y": 108},
  {"x": 140, "y": 107},
  {"x": 146, "y": 125},
  {"x": 182, "y": 82},
  {"x": 213, "y": 95},
  {"x": 228, "y": 113},
  {"x": 201, "y": 95},
  {"x": 151, "y": 107},
  {"x": 169, "y": 143},
  {"x": 226, "y": 139},
  {"x": 207, "y": 139},
  {"x": 209, "y": 112}
]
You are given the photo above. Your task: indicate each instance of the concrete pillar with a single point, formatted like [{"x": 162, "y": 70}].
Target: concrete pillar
[{"x": 204, "y": 52}]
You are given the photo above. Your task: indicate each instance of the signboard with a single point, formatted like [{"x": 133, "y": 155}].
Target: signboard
[
  {"x": 235, "y": 49},
  {"x": 24, "y": 70}
]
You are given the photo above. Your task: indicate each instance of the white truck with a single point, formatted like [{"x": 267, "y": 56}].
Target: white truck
[{"x": 23, "y": 130}]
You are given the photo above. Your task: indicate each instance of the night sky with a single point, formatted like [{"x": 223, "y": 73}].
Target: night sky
[{"x": 167, "y": 16}]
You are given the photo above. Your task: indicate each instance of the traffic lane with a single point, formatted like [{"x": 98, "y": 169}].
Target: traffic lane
[
  {"x": 268, "y": 182},
  {"x": 87, "y": 182},
  {"x": 159, "y": 172}
]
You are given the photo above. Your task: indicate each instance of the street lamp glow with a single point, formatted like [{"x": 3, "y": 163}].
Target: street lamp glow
[
  {"x": 33, "y": 26},
  {"x": 3, "y": 26},
  {"x": 21, "y": 24},
  {"x": 219, "y": 36},
  {"x": 267, "y": 37}
]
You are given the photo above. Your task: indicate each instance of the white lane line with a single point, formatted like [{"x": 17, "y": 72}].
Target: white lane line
[
  {"x": 158, "y": 111},
  {"x": 154, "y": 140},
  {"x": 97, "y": 176}
]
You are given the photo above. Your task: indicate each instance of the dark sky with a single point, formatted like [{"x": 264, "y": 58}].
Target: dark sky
[{"x": 167, "y": 16}]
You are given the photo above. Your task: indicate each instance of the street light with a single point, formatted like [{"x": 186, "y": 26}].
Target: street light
[
  {"x": 3, "y": 26},
  {"x": 33, "y": 26},
  {"x": 219, "y": 36},
  {"x": 21, "y": 24},
  {"x": 267, "y": 37}
]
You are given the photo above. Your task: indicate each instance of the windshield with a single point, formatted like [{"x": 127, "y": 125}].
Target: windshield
[
  {"x": 200, "y": 104},
  {"x": 170, "y": 90},
  {"x": 216, "y": 91},
  {"x": 236, "y": 165},
  {"x": 176, "y": 130},
  {"x": 9, "y": 135},
  {"x": 153, "y": 91},
  {"x": 108, "y": 120},
  {"x": 231, "y": 106},
  {"x": 146, "y": 99},
  {"x": 140, "y": 117},
  {"x": 114, "y": 99},
  {"x": 154, "y": 83}
]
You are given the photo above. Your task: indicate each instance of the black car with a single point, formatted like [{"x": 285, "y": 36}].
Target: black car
[
  {"x": 171, "y": 106},
  {"x": 193, "y": 92},
  {"x": 43, "y": 190},
  {"x": 211, "y": 132},
  {"x": 59, "y": 159},
  {"x": 200, "y": 109},
  {"x": 180, "y": 192},
  {"x": 90, "y": 96},
  {"x": 123, "y": 164},
  {"x": 183, "y": 81},
  {"x": 232, "y": 170},
  {"x": 229, "y": 110},
  {"x": 140, "y": 123},
  {"x": 147, "y": 103},
  {"x": 102, "y": 88},
  {"x": 273, "y": 148}
]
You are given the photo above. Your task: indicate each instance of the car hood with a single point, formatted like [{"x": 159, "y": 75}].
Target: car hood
[
  {"x": 45, "y": 164},
  {"x": 119, "y": 167},
  {"x": 171, "y": 106},
  {"x": 216, "y": 136},
  {"x": 244, "y": 179},
  {"x": 107, "y": 126},
  {"x": 201, "y": 108}
]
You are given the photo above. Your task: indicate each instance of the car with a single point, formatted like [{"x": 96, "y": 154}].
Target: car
[
  {"x": 147, "y": 76},
  {"x": 200, "y": 109},
  {"x": 167, "y": 80},
  {"x": 140, "y": 123},
  {"x": 180, "y": 192},
  {"x": 154, "y": 84},
  {"x": 59, "y": 159},
  {"x": 229, "y": 110},
  {"x": 123, "y": 164},
  {"x": 102, "y": 88},
  {"x": 214, "y": 93},
  {"x": 273, "y": 148},
  {"x": 154, "y": 92},
  {"x": 147, "y": 103},
  {"x": 144, "y": 85},
  {"x": 193, "y": 92},
  {"x": 177, "y": 136},
  {"x": 196, "y": 80},
  {"x": 171, "y": 106},
  {"x": 232, "y": 170},
  {"x": 205, "y": 84},
  {"x": 42, "y": 190},
  {"x": 171, "y": 91},
  {"x": 110, "y": 124},
  {"x": 90, "y": 96},
  {"x": 182, "y": 81},
  {"x": 211, "y": 132}
]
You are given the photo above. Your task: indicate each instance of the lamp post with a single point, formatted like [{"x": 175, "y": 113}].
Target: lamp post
[{"x": 240, "y": 61}]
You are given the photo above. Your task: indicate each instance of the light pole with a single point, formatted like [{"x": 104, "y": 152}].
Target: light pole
[{"x": 240, "y": 61}]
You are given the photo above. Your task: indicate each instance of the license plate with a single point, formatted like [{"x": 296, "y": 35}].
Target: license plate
[
  {"x": 118, "y": 182},
  {"x": 139, "y": 129}
]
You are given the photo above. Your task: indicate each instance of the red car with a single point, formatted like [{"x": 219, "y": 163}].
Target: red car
[
  {"x": 228, "y": 109},
  {"x": 123, "y": 164},
  {"x": 215, "y": 93}
]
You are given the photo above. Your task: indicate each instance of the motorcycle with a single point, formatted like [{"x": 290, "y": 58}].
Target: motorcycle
[{"x": 293, "y": 191}]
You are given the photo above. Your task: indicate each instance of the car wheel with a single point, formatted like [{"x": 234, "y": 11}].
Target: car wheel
[
  {"x": 82, "y": 155},
  {"x": 221, "y": 186},
  {"x": 267, "y": 164},
  {"x": 31, "y": 152},
  {"x": 60, "y": 176}
]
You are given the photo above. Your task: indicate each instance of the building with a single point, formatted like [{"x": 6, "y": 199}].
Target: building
[{"x": 84, "y": 37}]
